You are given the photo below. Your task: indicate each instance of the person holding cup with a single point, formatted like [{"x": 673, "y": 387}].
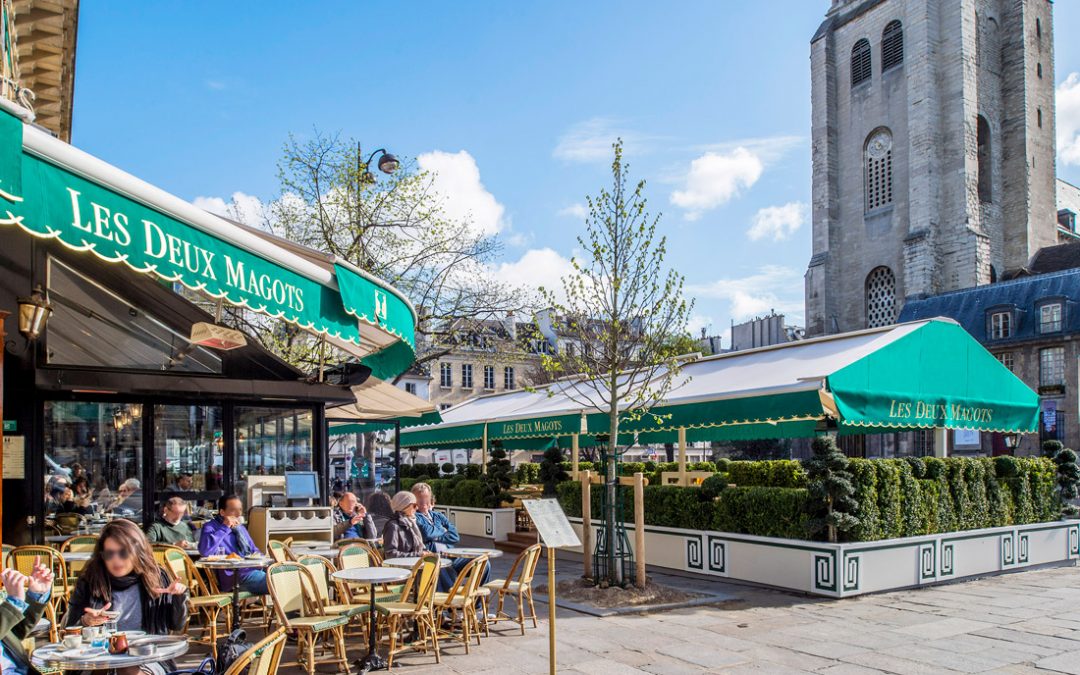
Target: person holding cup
[
  {"x": 22, "y": 607},
  {"x": 122, "y": 583},
  {"x": 351, "y": 519}
]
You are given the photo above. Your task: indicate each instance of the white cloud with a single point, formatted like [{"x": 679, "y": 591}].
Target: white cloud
[
  {"x": 535, "y": 268},
  {"x": 247, "y": 209},
  {"x": 767, "y": 148},
  {"x": 591, "y": 141},
  {"x": 773, "y": 287},
  {"x": 777, "y": 222},
  {"x": 697, "y": 322},
  {"x": 1068, "y": 119},
  {"x": 715, "y": 179},
  {"x": 457, "y": 180},
  {"x": 574, "y": 211}
]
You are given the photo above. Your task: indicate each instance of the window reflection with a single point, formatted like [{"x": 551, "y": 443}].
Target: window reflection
[
  {"x": 188, "y": 452},
  {"x": 271, "y": 441},
  {"x": 93, "y": 458}
]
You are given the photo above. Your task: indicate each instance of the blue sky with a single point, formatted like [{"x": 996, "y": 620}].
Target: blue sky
[{"x": 514, "y": 104}]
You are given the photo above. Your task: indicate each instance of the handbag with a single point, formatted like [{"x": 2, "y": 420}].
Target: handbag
[
  {"x": 207, "y": 667},
  {"x": 230, "y": 648}
]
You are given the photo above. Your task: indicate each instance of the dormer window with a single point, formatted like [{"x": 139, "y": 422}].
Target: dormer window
[
  {"x": 1001, "y": 325},
  {"x": 1050, "y": 315}
]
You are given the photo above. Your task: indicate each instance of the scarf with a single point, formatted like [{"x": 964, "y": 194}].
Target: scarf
[{"x": 123, "y": 583}]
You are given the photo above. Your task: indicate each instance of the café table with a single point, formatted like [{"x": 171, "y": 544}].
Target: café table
[
  {"x": 372, "y": 577},
  {"x": 408, "y": 562},
  {"x": 467, "y": 552},
  {"x": 54, "y": 656},
  {"x": 235, "y": 565}
]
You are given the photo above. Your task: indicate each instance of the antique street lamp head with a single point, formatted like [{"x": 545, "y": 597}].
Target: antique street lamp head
[
  {"x": 388, "y": 163},
  {"x": 34, "y": 312},
  {"x": 1012, "y": 441}
]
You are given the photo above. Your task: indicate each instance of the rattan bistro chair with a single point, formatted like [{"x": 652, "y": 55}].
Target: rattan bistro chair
[
  {"x": 279, "y": 551},
  {"x": 518, "y": 584},
  {"x": 297, "y": 610},
  {"x": 400, "y": 613},
  {"x": 80, "y": 543},
  {"x": 22, "y": 558},
  {"x": 461, "y": 601},
  {"x": 212, "y": 607},
  {"x": 261, "y": 659}
]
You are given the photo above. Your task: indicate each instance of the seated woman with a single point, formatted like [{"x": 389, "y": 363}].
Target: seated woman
[
  {"x": 401, "y": 536},
  {"x": 378, "y": 507},
  {"x": 70, "y": 503},
  {"x": 224, "y": 534},
  {"x": 123, "y": 576},
  {"x": 128, "y": 499},
  {"x": 22, "y": 607}
]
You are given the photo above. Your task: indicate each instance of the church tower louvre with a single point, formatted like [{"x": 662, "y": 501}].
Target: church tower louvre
[{"x": 933, "y": 151}]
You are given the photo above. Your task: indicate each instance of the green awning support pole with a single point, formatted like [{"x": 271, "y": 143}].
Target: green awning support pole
[
  {"x": 941, "y": 442},
  {"x": 483, "y": 451},
  {"x": 575, "y": 455},
  {"x": 682, "y": 456}
]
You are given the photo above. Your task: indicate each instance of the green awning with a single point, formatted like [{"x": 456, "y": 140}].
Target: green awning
[
  {"x": 938, "y": 376},
  {"x": 54, "y": 191},
  {"x": 915, "y": 375},
  {"x": 343, "y": 428}
]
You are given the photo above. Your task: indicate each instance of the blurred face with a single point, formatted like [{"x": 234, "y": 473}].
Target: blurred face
[
  {"x": 410, "y": 510},
  {"x": 347, "y": 502},
  {"x": 118, "y": 560},
  {"x": 233, "y": 509},
  {"x": 68, "y": 495},
  {"x": 424, "y": 501},
  {"x": 125, "y": 490},
  {"x": 175, "y": 509},
  {"x": 184, "y": 483}
]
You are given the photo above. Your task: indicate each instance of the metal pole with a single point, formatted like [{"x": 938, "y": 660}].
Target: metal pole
[
  {"x": 397, "y": 456},
  {"x": 551, "y": 609},
  {"x": 586, "y": 522}
]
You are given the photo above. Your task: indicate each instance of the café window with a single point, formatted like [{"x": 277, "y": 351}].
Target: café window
[
  {"x": 189, "y": 451},
  {"x": 489, "y": 377},
  {"x": 1050, "y": 317},
  {"x": 1052, "y": 366},
  {"x": 1000, "y": 325},
  {"x": 446, "y": 375},
  {"x": 271, "y": 441},
  {"x": 508, "y": 378},
  {"x": 410, "y": 388},
  {"x": 466, "y": 376},
  {"x": 100, "y": 442},
  {"x": 92, "y": 326}
]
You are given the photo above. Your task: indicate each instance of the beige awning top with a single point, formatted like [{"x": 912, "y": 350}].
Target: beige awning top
[{"x": 376, "y": 399}]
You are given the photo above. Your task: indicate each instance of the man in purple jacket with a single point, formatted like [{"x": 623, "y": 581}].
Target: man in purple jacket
[{"x": 224, "y": 535}]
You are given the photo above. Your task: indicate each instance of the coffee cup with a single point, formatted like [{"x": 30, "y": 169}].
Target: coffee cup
[
  {"x": 89, "y": 633},
  {"x": 72, "y": 641}
]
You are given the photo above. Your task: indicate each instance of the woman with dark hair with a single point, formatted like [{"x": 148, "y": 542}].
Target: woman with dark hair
[
  {"x": 378, "y": 507},
  {"x": 123, "y": 576}
]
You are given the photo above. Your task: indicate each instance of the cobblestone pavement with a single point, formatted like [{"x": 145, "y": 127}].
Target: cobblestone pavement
[{"x": 1016, "y": 623}]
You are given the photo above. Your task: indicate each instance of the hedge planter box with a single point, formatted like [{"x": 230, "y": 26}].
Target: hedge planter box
[
  {"x": 842, "y": 570},
  {"x": 493, "y": 524}
]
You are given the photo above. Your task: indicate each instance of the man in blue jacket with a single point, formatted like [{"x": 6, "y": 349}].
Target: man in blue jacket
[
  {"x": 439, "y": 535},
  {"x": 224, "y": 534}
]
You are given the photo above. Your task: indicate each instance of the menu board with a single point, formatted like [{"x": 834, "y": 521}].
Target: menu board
[
  {"x": 551, "y": 523},
  {"x": 15, "y": 457}
]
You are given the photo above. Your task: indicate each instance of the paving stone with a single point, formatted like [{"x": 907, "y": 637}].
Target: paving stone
[
  {"x": 1062, "y": 663},
  {"x": 895, "y": 664},
  {"x": 945, "y": 627},
  {"x": 850, "y": 669},
  {"x": 706, "y": 658}
]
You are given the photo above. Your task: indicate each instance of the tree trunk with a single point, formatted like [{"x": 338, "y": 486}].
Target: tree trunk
[{"x": 615, "y": 572}]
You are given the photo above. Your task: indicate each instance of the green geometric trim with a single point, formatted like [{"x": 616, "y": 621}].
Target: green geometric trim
[
  {"x": 852, "y": 573},
  {"x": 927, "y": 562},
  {"x": 947, "y": 560},
  {"x": 825, "y": 572}
]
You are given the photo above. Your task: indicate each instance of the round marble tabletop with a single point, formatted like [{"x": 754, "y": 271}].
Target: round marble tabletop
[
  {"x": 471, "y": 552},
  {"x": 410, "y": 561},
  {"x": 234, "y": 563},
  {"x": 372, "y": 575},
  {"x": 52, "y": 656}
]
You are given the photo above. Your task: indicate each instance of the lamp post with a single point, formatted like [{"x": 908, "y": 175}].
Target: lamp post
[
  {"x": 34, "y": 312},
  {"x": 388, "y": 164},
  {"x": 1012, "y": 442}
]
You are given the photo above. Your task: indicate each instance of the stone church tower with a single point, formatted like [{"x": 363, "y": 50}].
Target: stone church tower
[{"x": 933, "y": 151}]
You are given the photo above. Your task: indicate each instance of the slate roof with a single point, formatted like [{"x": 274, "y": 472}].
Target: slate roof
[
  {"x": 1055, "y": 258},
  {"x": 969, "y": 307}
]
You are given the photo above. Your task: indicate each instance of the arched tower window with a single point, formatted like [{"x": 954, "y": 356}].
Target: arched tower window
[
  {"x": 880, "y": 297},
  {"x": 892, "y": 45},
  {"x": 879, "y": 174},
  {"x": 860, "y": 62},
  {"x": 982, "y": 134}
]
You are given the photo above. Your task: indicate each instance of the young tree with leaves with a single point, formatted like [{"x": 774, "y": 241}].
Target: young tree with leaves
[
  {"x": 623, "y": 310},
  {"x": 831, "y": 490}
]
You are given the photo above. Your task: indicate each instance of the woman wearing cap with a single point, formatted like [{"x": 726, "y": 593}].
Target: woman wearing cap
[{"x": 401, "y": 536}]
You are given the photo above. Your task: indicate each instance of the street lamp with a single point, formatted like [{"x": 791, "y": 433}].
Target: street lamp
[
  {"x": 1012, "y": 441},
  {"x": 388, "y": 164},
  {"x": 34, "y": 312}
]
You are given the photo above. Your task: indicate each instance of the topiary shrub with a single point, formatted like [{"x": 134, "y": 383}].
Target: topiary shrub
[
  {"x": 499, "y": 477},
  {"x": 447, "y": 469},
  {"x": 888, "y": 487},
  {"x": 912, "y": 520},
  {"x": 712, "y": 486},
  {"x": 1051, "y": 448},
  {"x": 866, "y": 494},
  {"x": 550, "y": 472},
  {"x": 832, "y": 505},
  {"x": 762, "y": 511},
  {"x": 722, "y": 464},
  {"x": 1068, "y": 480},
  {"x": 918, "y": 467}
]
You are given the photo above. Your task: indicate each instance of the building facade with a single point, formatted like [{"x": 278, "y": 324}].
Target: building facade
[
  {"x": 933, "y": 152},
  {"x": 1032, "y": 325}
]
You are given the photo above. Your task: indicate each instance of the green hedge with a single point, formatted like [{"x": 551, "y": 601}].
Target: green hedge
[
  {"x": 896, "y": 497},
  {"x": 455, "y": 491}
]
